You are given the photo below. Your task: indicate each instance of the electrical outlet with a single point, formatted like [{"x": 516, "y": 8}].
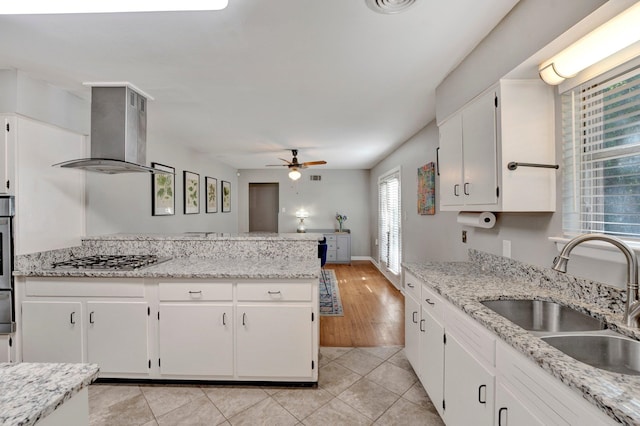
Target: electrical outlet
[{"x": 464, "y": 237}]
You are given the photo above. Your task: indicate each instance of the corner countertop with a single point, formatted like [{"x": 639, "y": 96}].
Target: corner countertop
[
  {"x": 465, "y": 284},
  {"x": 193, "y": 267},
  {"x": 31, "y": 391}
]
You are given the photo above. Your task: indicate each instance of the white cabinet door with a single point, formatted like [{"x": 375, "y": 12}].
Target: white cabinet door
[
  {"x": 52, "y": 332},
  {"x": 196, "y": 339},
  {"x": 274, "y": 341},
  {"x": 432, "y": 358},
  {"x": 343, "y": 248},
  {"x": 450, "y": 162},
  {"x": 479, "y": 151},
  {"x": 7, "y": 155},
  {"x": 117, "y": 336},
  {"x": 468, "y": 388},
  {"x": 5, "y": 349},
  {"x": 510, "y": 411},
  {"x": 412, "y": 331}
]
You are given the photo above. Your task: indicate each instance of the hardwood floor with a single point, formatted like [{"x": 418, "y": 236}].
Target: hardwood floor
[{"x": 373, "y": 309}]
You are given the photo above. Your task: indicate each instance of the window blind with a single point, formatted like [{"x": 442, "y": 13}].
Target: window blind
[
  {"x": 601, "y": 156},
  {"x": 389, "y": 221}
]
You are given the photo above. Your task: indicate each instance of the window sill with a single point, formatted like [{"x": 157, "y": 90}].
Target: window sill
[{"x": 600, "y": 250}]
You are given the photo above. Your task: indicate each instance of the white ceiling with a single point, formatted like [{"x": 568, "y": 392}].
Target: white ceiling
[{"x": 332, "y": 78}]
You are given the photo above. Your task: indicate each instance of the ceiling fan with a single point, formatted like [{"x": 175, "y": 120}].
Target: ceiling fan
[{"x": 294, "y": 165}]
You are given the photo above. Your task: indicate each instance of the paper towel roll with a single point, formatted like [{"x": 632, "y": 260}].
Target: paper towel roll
[{"x": 479, "y": 220}]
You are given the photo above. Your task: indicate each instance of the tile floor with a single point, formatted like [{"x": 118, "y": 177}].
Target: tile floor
[{"x": 357, "y": 386}]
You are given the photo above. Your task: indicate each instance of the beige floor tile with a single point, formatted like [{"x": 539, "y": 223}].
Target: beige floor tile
[
  {"x": 231, "y": 401},
  {"x": 400, "y": 359},
  {"x": 163, "y": 399},
  {"x": 407, "y": 413},
  {"x": 302, "y": 402},
  {"x": 336, "y": 413},
  {"x": 102, "y": 396},
  {"x": 129, "y": 412},
  {"x": 383, "y": 352},
  {"x": 151, "y": 423},
  {"x": 267, "y": 412},
  {"x": 369, "y": 398},
  {"x": 335, "y": 378},
  {"x": 393, "y": 378},
  {"x": 332, "y": 353},
  {"x": 199, "y": 412},
  {"x": 359, "y": 361},
  {"x": 418, "y": 396}
]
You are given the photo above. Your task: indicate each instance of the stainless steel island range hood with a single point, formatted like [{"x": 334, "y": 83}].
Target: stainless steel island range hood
[{"x": 118, "y": 132}]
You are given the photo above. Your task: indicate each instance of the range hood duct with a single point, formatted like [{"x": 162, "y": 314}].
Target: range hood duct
[{"x": 118, "y": 133}]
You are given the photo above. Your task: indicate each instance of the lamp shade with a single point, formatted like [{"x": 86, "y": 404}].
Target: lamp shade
[
  {"x": 302, "y": 214},
  {"x": 294, "y": 174},
  {"x": 609, "y": 38}
]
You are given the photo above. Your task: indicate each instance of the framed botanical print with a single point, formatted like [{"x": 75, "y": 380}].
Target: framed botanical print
[
  {"x": 163, "y": 201},
  {"x": 211, "y": 185},
  {"x": 191, "y": 192},
  {"x": 226, "y": 196}
]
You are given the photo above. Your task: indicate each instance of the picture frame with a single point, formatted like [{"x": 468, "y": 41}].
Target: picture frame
[
  {"x": 211, "y": 191},
  {"x": 427, "y": 189},
  {"x": 226, "y": 196},
  {"x": 191, "y": 192},
  {"x": 163, "y": 191}
]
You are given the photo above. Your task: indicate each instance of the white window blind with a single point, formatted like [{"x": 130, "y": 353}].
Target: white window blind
[
  {"x": 601, "y": 151},
  {"x": 389, "y": 221}
]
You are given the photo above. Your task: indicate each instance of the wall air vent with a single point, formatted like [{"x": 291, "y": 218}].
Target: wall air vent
[
  {"x": 389, "y": 6},
  {"x": 315, "y": 177}
]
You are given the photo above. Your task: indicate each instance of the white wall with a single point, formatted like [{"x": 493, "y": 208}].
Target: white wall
[
  {"x": 121, "y": 203},
  {"x": 424, "y": 237},
  {"x": 343, "y": 191}
]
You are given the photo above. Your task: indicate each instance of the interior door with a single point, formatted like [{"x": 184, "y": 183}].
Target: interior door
[{"x": 264, "y": 203}]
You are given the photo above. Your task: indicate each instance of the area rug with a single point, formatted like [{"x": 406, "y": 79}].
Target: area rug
[{"x": 330, "y": 303}]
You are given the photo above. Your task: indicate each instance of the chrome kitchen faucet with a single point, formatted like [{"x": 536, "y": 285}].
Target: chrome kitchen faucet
[{"x": 632, "y": 307}]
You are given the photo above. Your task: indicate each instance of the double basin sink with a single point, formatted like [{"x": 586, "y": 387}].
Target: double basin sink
[{"x": 578, "y": 335}]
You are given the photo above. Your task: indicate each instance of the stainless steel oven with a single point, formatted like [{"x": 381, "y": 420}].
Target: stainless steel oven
[{"x": 7, "y": 314}]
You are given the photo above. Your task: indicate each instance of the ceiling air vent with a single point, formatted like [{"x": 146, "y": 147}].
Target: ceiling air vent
[
  {"x": 389, "y": 6},
  {"x": 315, "y": 177}
]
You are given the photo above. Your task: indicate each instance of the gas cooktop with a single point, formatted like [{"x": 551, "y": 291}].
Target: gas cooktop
[{"x": 126, "y": 262}]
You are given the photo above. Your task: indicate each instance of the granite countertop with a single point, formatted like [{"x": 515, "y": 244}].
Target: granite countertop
[
  {"x": 243, "y": 236},
  {"x": 465, "y": 284},
  {"x": 31, "y": 391},
  {"x": 192, "y": 267}
]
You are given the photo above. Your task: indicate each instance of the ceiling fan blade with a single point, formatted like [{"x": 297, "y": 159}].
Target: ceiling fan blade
[
  {"x": 277, "y": 165},
  {"x": 313, "y": 163},
  {"x": 286, "y": 161}
]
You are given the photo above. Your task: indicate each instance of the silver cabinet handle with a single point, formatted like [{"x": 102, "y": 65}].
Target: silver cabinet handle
[
  {"x": 413, "y": 317},
  {"x": 72, "y": 317},
  {"x": 466, "y": 188},
  {"x": 224, "y": 318},
  {"x": 91, "y": 318},
  {"x": 429, "y": 302},
  {"x": 410, "y": 285},
  {"x": 244, "y": 315},
  {"x": 195, "y": 292},
  {"x": 421, "y": 323},
  {"x": 274, "y": 292}
]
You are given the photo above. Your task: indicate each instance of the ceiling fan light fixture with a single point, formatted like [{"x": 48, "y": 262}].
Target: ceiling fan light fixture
[{"x": 294, "y": 174}]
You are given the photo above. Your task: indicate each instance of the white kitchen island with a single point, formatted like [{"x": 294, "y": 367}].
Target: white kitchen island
[{"x": 237, "y": 308}]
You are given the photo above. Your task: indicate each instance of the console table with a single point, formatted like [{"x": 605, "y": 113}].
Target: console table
[{"x": 338, "y": 244}]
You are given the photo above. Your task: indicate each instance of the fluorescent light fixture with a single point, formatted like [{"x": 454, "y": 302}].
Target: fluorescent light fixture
[
  {"x": 294, "y": 174},
  {"x": 609, "y": 38},
  {"x": 28, "y": 7}
]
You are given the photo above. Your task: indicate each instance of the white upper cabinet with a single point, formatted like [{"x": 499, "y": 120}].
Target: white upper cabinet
[
  {"x": 7, "y": 155},
  {"x": 513, "y": 121}
]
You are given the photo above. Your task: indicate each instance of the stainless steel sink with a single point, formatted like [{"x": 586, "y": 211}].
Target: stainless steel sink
[
  {"x": 608, "y": 352},
  {"x": 543, "y": 316}
]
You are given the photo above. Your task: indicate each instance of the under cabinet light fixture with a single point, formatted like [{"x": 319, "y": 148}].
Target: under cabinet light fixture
[
  {"x": 609, "y": 38},
  {"x": 294, "y": 174},
  {"x": 42, "y": 7}
]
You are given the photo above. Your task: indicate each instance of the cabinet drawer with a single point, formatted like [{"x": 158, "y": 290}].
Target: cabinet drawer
[
  {"x": 331, "y": 255},
  {"x": 277, "y": 292},
  {"x": 195, "y": 291},
  {"x": 330, "y": 238},
  {"x": 432, "y": 302},
  {"x": 412, "y": 285},
  {"x": 85, "y": 287},
  {"x": 331, "y": 245}
]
